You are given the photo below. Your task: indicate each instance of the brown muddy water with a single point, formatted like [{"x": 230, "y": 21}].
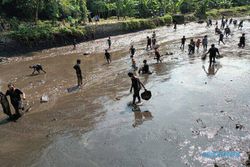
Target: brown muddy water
[{"x": 193, "y": 110}]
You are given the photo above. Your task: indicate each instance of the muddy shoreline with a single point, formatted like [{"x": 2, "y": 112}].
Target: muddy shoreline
[{"x": 95, "y": 120}]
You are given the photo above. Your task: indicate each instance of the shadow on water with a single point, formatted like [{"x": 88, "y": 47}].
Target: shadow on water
[
  {"x": 213, "y": 69},
  {"x": 73, "y": 89},
  {"x": 161, "y": 69},
  {"x": 7, "y": 120},
  {"x": 141, "y": 116},
  {"x": 4, "y": 121}
]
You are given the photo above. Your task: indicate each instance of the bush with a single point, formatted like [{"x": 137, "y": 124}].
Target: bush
[
  {"x": 236, "y": 11},
  {"x": 29, "y": 32},
  {"x": 139, "y": 24},
  {"x": 187, "y": 7},
  {"x": 167, "y": 19},
  {"x": 44, "y": 31}
]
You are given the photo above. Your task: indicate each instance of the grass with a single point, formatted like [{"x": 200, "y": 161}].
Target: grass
[{"x": 233, "y": 12}]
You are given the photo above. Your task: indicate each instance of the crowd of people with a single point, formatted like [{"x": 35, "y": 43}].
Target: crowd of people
[{"x": 17, "y": 96}]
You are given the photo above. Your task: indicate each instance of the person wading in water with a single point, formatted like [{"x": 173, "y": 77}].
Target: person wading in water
[
  {"x": 212, "y": 54},
  {"x": 16, "y": 97},
  {"x": 78, "y": 72},
  {"x": 136, "y": 86}
]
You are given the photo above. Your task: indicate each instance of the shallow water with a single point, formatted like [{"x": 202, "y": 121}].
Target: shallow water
[
  {"x": 192, "y": 110},
  {"x": 170, "y": 138}
]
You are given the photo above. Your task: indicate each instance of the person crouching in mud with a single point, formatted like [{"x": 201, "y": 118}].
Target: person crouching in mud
[
  {"x": 37, "y": 68},
  {"x": 136, "y": 85},
  {"x": 145, "y": 68},
  {"x": 157, "y": 56},
  {"x": 107, "y": 56},
  {"x": 78, "y": 72},
  {"x": 5, "y": 105},
  {"x": 212, "y": 54},
  {"x": 16, "y": 97}
]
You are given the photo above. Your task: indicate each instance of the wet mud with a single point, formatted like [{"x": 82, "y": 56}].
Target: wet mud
[{"x": 193, "y": 109}]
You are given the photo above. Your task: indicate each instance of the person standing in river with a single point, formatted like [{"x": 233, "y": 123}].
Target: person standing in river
[
  {"x": 191, "y": 47},
  {"x": 109, "y": 42},
  {"x": 242, "y": 41},
  {"x": 212, "y": 54},
  {"x": 240, "y": 25},
  {"x": 235, "y": 23},
  {"x": 153, "y": 42},
  {"x": 74, "y": 44},
  {"x": 132, "y": 51},
  {"x": 175, "y": 25},
  {"x": 149, "y": 43},
  {"x": 204, "y": 43},
  {"x": 227, "y": 31},
  {"x": 157, "y": 56},
  {"x": 154, "y": 35},
  {"x": 230, "y": 21},
  {"x": 198, "y": 43},
  {"x": 183, "y": 41},
  {"x": 107, "y": 56},
  {"x": 136, "y": 86},
  {"x": 16, "y": 98},
  {"x": 78, "y": 72},
  {"x": 221, "y": 38}
]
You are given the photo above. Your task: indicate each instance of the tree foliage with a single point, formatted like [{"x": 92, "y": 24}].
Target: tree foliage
[{"x": 79, "y": 9}]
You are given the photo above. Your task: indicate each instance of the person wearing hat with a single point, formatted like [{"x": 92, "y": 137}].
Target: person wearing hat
[
  {"x": 136, "y": 86},
  {"x": 16, "y": 97}
]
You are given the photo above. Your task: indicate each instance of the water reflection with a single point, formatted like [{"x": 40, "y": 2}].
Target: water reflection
[
  {"x": 141, "y": 116},
  {"x": 212, "y": 69}
]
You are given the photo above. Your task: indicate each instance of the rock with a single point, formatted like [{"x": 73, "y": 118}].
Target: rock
[
  {"x": 86, "y": 53},
  {"x": 44, "y": 99},
  {"x": 178, "y": 18},
  {"x": 205, "y": 83},
  {"x": 215, "y": 165},
  {"x": 54, "y": 119},
  {"x": 169, "y": 53}
]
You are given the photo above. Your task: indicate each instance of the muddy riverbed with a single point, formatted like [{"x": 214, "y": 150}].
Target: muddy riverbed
[{"x": 193, "y": 110}]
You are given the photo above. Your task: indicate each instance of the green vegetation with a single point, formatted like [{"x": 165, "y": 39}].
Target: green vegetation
[
  {"x": 139, "y": 24},
  {"x": 32, "y": 20},
  {"x": 236, "y": 11},
  {"x": 45, "y": 31}
]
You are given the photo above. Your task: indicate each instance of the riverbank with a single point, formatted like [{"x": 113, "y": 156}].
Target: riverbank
[
  {"x": 93, "y": 126},
  {"x": 28, "y": 37}
]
